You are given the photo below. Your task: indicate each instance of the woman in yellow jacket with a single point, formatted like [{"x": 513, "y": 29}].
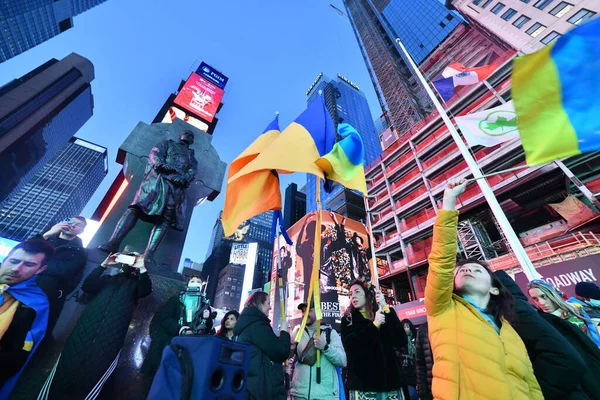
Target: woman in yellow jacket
[{"x": 477, "y": 354}]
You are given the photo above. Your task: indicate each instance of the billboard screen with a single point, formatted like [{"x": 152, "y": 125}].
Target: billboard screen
[
  {"x": 175, "y": 112},
  {"x": 344, "y": 258},
  {"x": 199, "y": 96},
  {"x": 212, "y": 75},
  {"x": 6, "y": 246}
]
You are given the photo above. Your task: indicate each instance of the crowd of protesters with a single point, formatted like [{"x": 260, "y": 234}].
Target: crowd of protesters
[{"x": 484, "y": 337}]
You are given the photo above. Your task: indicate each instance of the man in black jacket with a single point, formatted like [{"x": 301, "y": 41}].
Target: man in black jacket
[
  {"x": 65, "y": 268},
  {"x": 424, "y": 363},
  {"x": 556, "y": 364}
]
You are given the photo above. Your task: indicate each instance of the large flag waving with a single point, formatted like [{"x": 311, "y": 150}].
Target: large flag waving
[
  {"x": 490, "y": 127},
  {"x": 556, "y": 94},
  {"x": 345, "y": 162},
  {"x": 253, "y": 193},
  {"x": 458, "y": 75},
  {"x": 299, "y": 146}
]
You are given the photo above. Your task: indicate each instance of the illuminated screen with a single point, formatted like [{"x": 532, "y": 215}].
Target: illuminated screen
[
  {"x": 200, "y": 97},
  {"x": 249, "y": 252},
  {"x": 175, "y": 112},
  {"x": 6, "y": 246}
]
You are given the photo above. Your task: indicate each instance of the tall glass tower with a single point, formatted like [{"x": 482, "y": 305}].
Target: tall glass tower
[
  {"x": 26, "y": 23},
  {"x": 59, "y": 190},
  {"x": 346, "y": 104}
]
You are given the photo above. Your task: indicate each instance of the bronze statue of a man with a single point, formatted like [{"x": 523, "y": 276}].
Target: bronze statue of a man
[{"x": 161, "y": 197}]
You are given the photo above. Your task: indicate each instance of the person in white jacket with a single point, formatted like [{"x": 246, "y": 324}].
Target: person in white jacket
[{"x": 304, "y": 383}]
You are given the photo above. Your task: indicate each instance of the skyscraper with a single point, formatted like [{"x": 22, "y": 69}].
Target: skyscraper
[
  {"x": 59, "y": 190},
  {"x": 39, "y": 113},
  {"x": 345, "y": 103},
  {"x": 25, "y": 23},
  {"x": 294, "y": 207}
]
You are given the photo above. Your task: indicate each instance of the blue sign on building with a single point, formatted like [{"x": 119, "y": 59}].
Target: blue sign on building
[{"x": 212, "y": 75}]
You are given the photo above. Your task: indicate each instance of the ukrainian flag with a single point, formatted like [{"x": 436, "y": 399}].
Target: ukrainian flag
[
  {"x": 299, "y": 146},
  {"x": 345, "y": 162},
  {"x": 556, "y": 92},
  {"x": 253, "y": 193}
]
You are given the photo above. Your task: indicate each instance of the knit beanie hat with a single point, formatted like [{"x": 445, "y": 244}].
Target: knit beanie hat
[{"x": 588, "y": 290}]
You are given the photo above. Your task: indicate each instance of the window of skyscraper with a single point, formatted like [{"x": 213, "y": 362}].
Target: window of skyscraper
[
  {"x": 526, "y": 1},
  {"x": 497, "y": 8},
  {"x": 551, "y": 37},
  {"x": 561, "y": 9},
  {"x": 535, "y": 29},
  {"x": 477, "y": 2},
  {"x": 522, "y": 20},
  {"x": 487, "y": 3},
  {"x": 581, "y": 16},
  {"x": 509, "y": 14},
  {"x": 541, "y": 4}
]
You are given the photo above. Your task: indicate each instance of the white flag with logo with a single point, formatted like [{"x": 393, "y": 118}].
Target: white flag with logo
[{"x": 490, "y": 127}]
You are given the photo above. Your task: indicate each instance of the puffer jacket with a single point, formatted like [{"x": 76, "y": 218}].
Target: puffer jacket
[
  {"x": 267, "y": 354},
  {"x": 304, "y": 384},
  {"x": 471, "y": 360},
  {"x": 424, "y": 363}
]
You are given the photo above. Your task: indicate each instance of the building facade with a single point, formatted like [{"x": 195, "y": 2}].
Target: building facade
[
  {"x": 229, "y": 287},
  {"x": 529, "y": 25},
  {"x": 25, "y": 23},
  {"x": 60, "y": 190},
  {"x": 346, "y": 104},
  {"x": 39, "y": 113},
  {"x": 294, "y": 207}
]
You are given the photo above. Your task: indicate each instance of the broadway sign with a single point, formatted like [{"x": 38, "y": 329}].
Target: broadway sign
[{"x": 567, "y": 274}]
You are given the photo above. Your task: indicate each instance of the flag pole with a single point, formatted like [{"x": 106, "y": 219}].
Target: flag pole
[
  {"x": 372, "y": 240},
  {"x": 509, "y": 233},
  {"x": 517, "y": 168}
]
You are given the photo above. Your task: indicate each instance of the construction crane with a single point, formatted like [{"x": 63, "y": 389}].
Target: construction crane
[{"x": 337, "y": 10}]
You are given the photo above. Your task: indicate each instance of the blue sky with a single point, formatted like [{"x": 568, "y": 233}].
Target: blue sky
[{"x": 272, "y": 50}]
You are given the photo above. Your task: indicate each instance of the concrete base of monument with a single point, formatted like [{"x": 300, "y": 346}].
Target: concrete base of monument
[{"x": 127, "y": 381}]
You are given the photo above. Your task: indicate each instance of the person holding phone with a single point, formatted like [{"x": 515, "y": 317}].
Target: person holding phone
[
  {"x": 65, "y": 267},
  {"x": 92, "y": 351},
  {"x": 478, "y": 354}
]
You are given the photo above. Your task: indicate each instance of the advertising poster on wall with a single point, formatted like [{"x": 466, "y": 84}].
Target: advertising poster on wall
[
  {"x": 200, "y": 97},
  {"x": 344, "y": 258},
  {"x": 175, "y": 112}
]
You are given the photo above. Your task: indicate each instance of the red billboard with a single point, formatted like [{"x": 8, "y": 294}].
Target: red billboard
[{"x": 200, "y": 97}]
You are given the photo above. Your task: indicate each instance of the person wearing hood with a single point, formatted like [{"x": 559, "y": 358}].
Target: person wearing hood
[
  {"x": 92, "y": 351},
  {"x": 588, "y": 295},
  {"x": 558, "y": 367},
  {"x": 267, "y": 350}
]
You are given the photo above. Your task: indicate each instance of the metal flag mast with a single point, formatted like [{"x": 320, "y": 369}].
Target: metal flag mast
[
  {"x": 509, "y": 233},
  {"x": 372, "y": 240}
]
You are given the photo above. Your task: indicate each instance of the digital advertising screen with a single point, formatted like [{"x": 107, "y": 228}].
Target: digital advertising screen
[
  {"x": 6, "y": 246},
  {"x": 344, "y": 258},
  {"x": 212, "y": 75},
  {"x": 175, "y": 112},
  {"x": 200, "y": 97}
]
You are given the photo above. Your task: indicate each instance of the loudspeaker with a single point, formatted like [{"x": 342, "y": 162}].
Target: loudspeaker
[{"x": 206, "y": 367}]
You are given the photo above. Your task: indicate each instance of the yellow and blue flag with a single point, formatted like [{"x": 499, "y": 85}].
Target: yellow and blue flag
[
  {"x": 345, "y": 162},
  {"x": 299, "y": 146},
  {"x": 555, "y": 91},
  {"x": 255, "y": 192}
]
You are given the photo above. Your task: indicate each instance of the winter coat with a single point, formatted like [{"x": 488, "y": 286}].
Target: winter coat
[
  {"x": 408, "y": 365},
  {"x": 100, "y": 332},
  {"x": 304, "y": 384},
  {"x": 158, "y": 189},
  {"x": 557, "y": 365},
  {"x": 471, "y": 360},
  {"x": 267, "y": 354},
  {"x": 372, "y": 362},
  {"x": 62, "y": 274},
  {"x": 163, "y": 328},
  {"x": 424, "y": 363},
  {"x": 586, "y": 348}
]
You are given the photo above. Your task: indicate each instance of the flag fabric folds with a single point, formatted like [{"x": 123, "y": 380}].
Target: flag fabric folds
[
  {"x": 345, "y": 162},
  {"x": 299, "y": 146},
  {"x": 490, "y": 127},
  {"x": 458, "y": 75},
  {"x": 253, "y": 193},
  {"x": 555, "y": 91}
]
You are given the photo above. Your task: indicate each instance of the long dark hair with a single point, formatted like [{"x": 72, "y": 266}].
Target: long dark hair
[
  {"x": 222, "y": 330},
  {"x": 413, "y": 330},
  {"x": 501, "y": 306},
  {"x": 371, "y": 306}
]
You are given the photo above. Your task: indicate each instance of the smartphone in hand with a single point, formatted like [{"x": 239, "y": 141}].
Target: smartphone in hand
[{"x": 125, "y": 259}]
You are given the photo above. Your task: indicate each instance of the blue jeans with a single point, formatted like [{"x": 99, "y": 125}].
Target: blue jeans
[{"x": 413, "y": 393}]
